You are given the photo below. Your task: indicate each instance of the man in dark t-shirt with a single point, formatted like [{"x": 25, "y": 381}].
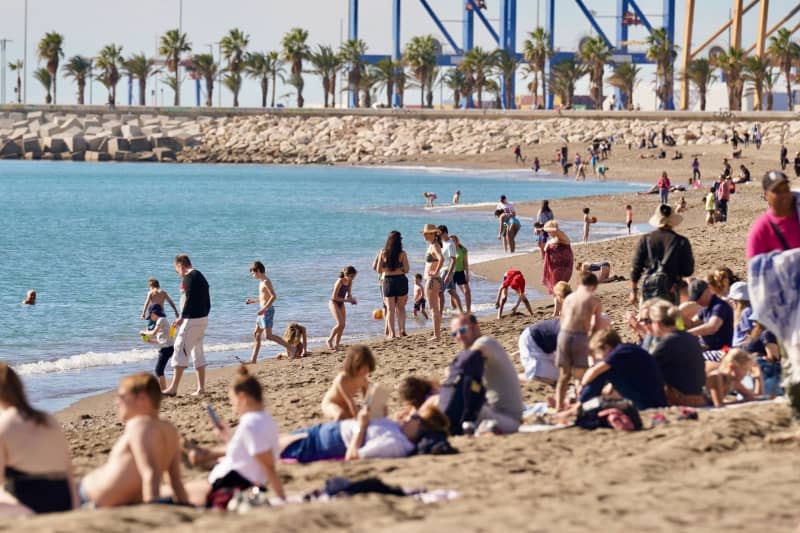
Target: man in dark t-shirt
[
  {"x": 632, "y": 372},
  {"x": 191, "y": 325},
  {"x": 680, "y": 359},
  {"x": 715, "y": 326}
]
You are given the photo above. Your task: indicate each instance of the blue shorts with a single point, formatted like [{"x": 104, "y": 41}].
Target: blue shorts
[
  {"x": 321, "y": 442},
  {"x": 449, "y": 286},
  {"x": 266, "y": 320}
]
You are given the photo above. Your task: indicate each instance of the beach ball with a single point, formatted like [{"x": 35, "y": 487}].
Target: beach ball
[
  {"x": 594, "y": 220},
  {"x": 377, "y": 314}
]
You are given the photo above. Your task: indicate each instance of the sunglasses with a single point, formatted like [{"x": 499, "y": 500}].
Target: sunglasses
[
  {"x": 645, "y": 321},
  {"x": 460, "y": 331}
]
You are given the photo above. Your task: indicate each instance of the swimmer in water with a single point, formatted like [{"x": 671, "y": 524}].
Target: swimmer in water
[{"x": 30, "y": 298}]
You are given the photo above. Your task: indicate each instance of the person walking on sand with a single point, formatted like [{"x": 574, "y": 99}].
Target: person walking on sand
[
  {"x": 536, "y": 165},
  {"x": 148, "y": 448},
  {"x": 449, "y": 252},
  {"x": 156, "y": 295},
  {"x": 342, "y": 294},
  {"x": 784, "y": 157},
  {"x": 461, "y": 273},
  {"x": 393, "y": 266},
  {"x": 558, "y": 257},
  {"x": 518, "y": 154},
  {"x": 434, "y": 261},
  {"x": 587, "y": 224},
  {"x": 629, "y": 217},
  {"x": 663, "y": 185},
  {"x": 580, "y": 315},
  {"x": 695, "y": 170},
  {"x": 191, "y": 325},
  {"x": 265, "y": 317}
]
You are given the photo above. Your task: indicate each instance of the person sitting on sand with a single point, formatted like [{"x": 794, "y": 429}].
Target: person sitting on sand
[
  {"x": 728, "y": 376},
  {"x": 744, "y": 175},
  {"x": 641, "y": 324},
  {"x": 414, "y": 392},
  {"x": 713, "y": 323},
  {"x": 600, "y": 269},
  {"x": 36, "y": 466},
  {"x": 156, "y": 295},
  {"x": 503, "y": 394},
  {"x": 679, "y": 357},
  {"x": 515, "y": 280},
  {"x": 148, "y": 448},
  {"x": 537, "y": 351},
  {"x": 296, "y": 338},
  {"x": 362, "y": 437},
  {"x": 632, "y": 372},
  {"x": 30, "y": 298},
  {"x": 579, "y": 317},
  {"x": 250, "y": 453},
  {"x": 339, "y": 402}
]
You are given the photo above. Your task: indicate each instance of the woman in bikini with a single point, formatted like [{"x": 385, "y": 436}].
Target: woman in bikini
[
  {"x": 432, "y": 282},
  {"x": 342, "y": 293},
  {"x": 393, "y": 267}
]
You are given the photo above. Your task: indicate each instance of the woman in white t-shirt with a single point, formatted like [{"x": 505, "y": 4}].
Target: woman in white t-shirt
[{"x": 249, "y": 458}]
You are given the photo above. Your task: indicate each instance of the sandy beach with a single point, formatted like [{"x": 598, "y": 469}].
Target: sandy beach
[{"x": 728, "y": 471}]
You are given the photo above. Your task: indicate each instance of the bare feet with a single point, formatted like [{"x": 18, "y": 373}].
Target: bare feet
[
  {"x": 199, "y": 392},
  {"x": 168, "y": 393}
]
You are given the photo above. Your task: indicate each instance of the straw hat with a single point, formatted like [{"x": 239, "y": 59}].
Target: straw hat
[
  {"x": 550, "y": 226},
  {"x": 665, "y": 216},
  {"x": 430, "y": 228}
]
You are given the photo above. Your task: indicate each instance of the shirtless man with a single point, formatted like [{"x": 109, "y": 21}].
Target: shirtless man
[
  {"x": 156, "y": 295},
  {"x": 580, "y": 315},
  {"x": 266, "y": 313},
  {"x": 148, "y": 448}
]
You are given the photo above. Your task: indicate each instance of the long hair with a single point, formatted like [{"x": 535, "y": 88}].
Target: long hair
[
  {"x": 545, "y": 206},
  {"x": 393, "y": 249},
  {"x": 12, "y": 392},
  {"x": 247, "y": 383}
]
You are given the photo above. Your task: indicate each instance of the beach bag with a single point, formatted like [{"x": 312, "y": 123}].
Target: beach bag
[
  {"x": 602, "y": 412},
  {"x": 462, "y": 394},
  {"x": 656, "y": 282}
]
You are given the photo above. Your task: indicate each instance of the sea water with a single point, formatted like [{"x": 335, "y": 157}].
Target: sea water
[{"x": 87, "y": 237}]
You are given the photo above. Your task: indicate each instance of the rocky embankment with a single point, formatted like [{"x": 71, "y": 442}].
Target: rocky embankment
[{"x": 265, "y": 138}]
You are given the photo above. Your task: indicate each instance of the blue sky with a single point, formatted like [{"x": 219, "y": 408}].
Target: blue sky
[{"x": 87, "y": 25}]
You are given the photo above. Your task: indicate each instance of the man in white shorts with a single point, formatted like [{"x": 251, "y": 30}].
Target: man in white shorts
[
  {"x": 537, "y": 351},
  {"x": 191, "y": 325}
]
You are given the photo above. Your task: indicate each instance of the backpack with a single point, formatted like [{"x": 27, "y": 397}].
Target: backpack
[
  {"x": 462, "y": 394},
  {"x": 656, "y": 282}
]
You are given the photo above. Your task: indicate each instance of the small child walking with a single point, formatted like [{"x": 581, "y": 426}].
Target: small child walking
[
  {"x": 419, "y": 297},
  {"x": 339, "y": 403},
  {"x": 629, "y": 217},
  {"x": 156, "y": 295},
  {"x": 159, "y": 334},
  {"x": 587, "y": 223},
  {"x": 342, "y": 293},
  {"x": 711, "y": 206}
]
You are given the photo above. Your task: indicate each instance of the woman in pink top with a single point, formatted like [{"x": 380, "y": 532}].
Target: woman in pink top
[
  {"x": 663, "y": 185},
  {"x": 779, "y": 227}
]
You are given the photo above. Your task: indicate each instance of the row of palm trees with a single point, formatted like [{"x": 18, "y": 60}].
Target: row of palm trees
[{"x": 481, "y": 70}]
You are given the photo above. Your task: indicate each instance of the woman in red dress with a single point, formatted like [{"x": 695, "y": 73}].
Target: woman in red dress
[{"x": 558, "y": 258}]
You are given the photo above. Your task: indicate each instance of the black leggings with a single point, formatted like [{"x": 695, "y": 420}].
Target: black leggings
[{"x": 163, "y": 356}]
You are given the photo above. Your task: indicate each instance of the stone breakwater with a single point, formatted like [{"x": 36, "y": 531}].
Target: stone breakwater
[{"x": 350, "y": 139}]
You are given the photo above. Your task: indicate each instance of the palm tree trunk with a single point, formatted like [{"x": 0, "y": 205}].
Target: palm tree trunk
[
  {"x": 81, "y": 91},
  {"x": 19, "y": 89},
  {"x": 264, "y": 91},
  {"x": 142, "y": 91},
  {"x": 480, "y": 96},
  {"x": 274, "y": 88},
  {"x": 54, "y": 75},
  {"x": 535, "y": 91},
  {"x": 333, "y": 89},
  {"x": 389, "y": 93},
  {"x": 787, "y": 74},
  {"x": 422, "y": 95},
  {"x": 702, "y": 91},
  {"x": 325, "y": 89},
  {"x": 456, "y": 99},
  {"x": 209, "y": 90}
]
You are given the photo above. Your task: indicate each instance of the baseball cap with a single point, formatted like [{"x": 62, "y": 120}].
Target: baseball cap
[
  {"x": 696, "y": 289},
  {"x": 772, "y": 179}
]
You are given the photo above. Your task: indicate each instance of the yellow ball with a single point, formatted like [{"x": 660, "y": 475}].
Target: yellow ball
[{"x": 377, "y": 314}]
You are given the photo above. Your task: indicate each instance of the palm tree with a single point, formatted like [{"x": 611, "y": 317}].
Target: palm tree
[
  {"x": 700, "y": 73},
  {"x": 78, "y": 68},
  {"x": 536, "y": 51},
  {"x": 255, "y": 67},
  {"x": 369, "y": 82},
  {"x": 420, "y": 56},
  {"x": 233, "y": 50},
  {"x": 326, "y": 63},
  {"x": 204, "y": 66},
  {"x": 663, "y": 52},
  {"x": 731, "y": 63},
  {"x": 172, "y": 45},
  {"x": 140, "y": 67},
  {"x": 769, "y": 85},
  {"x": 595, "y": 53},
  {"x": 352, "y": 53},
  {"x": 17, "y": 66},
  {"x": 275, "y": 68},
  {"x": 454, "y": 80},
  {"x": 624, "y": 79},
  {"x": 234, "y": 84},
  {"x": 493, "y": 88},
  {"x": 564, "y": 76},
  {"x": 295, "y": 50},
  {"x": 755, "y": 71},
  {"x": 50, "y": 50},
  {"x": 388, "y": 75},
  {"x": 42, "y": 75},
  {"x": 478, "y": 62},
  {"x": 785, "y": 53},
  {"x": 108, "y": 62},
  {"x": 506, "y": 64}
]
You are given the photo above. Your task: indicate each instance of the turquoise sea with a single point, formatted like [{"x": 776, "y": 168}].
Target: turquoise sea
[{"x": 88, "y": 236}]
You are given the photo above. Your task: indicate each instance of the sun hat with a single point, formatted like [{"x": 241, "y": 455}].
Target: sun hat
[
  {"x": 430, "y": 228},
  {"x": 772, "y": 179},
  {"x": 551, "y": 225},
  {"x": 665, "y": 216},
  {"x": 696, "y": 289},
  {"x": 157, "y": 309},
  {"x": 738, "y": 291}
]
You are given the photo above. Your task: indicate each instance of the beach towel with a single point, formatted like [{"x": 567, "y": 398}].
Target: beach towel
[{"x": 774, "y": 287}]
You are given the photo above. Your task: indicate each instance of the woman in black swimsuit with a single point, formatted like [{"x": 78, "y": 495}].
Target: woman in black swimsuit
[
  {"x": 36, "y": 462},
  {"x": 393, "y": 265},
  {"x": 432, "y": 282},
  {"x": 342, "y": 293}
]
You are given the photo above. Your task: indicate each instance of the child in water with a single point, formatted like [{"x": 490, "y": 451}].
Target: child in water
[
  {"x": 342, "y": 293},
  {"x": 156, "y": 295},
  {"x": 419, "y": 297},
  {"x": 339, "y": 402},
  {"x": 296, "y": 340}
]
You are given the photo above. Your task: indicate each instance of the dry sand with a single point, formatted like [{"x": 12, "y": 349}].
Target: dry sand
[{"x": 725, "y": 472}]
